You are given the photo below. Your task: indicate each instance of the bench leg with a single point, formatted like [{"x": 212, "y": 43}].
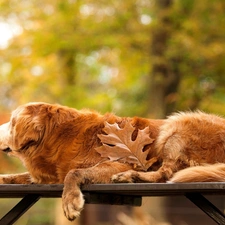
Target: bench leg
[
  {"x": 18, "y": 210},
  {"x": 207, "y": 207}
]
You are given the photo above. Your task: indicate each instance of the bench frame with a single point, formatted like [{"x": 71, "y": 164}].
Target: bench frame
[{"x": 114, "y": 194}]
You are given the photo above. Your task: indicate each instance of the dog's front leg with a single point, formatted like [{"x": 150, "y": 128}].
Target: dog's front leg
[
  {"x": 21, "y": 178},
  {"x": 72, "y": 198}
]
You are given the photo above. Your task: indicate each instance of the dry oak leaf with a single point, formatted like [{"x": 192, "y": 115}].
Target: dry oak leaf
[{"x": 117, "y": 144}]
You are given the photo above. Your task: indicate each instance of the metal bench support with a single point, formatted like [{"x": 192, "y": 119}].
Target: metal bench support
[
  {"x": 207, "y": 207},
  {"x": 18, "y": 210}
]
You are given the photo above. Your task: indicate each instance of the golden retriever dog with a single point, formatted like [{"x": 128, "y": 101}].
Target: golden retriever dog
[{"x": 58, "y": 144}]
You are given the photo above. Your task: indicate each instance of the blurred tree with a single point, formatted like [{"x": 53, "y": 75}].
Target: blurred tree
[
  {"x": 102, "y": 52},
  {"x": 198, "y": 43},
  {"x": 164, "y": 78},
  {"x": 146, "y": 57},
  {"x": 69, "y": 47},
  {"x": 187, "y": 57}
]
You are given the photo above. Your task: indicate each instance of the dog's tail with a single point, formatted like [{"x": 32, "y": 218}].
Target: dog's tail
[{"x": 206, "y": 173}]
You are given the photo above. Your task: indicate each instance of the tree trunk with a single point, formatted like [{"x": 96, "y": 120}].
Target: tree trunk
[
  {"x": 67, "y": 72},
  {"x": 165, "y": 77}
]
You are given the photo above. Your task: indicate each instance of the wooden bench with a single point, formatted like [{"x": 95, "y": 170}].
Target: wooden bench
[{"x": 115, "y": 194}]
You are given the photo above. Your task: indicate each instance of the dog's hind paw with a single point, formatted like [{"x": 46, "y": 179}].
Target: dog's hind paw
[
  {"x": 124, "y": 177},
  {"x": 72, "y": 203}
]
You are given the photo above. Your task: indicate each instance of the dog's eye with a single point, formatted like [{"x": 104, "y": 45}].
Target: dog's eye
[{"x": 28, "y": 145}]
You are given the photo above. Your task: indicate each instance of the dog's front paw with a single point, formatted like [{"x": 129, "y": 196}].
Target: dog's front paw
[
  {"x": 6, "y": 179},
  {"x": 72, "y": 203},
  {"x": 124, "y": 177},
  {"x": 2, "y": 179}
]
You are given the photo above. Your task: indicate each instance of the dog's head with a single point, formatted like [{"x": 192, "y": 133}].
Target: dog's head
[{"x": 29, "y": 123}]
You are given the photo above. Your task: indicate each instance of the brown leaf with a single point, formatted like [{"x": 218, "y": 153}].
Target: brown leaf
[{"x": 117, "y": 144}]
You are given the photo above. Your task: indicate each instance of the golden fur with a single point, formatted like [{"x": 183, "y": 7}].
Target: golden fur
[
  {"x": 192, "y": 143},
  {"x": 57, "y": 145}
]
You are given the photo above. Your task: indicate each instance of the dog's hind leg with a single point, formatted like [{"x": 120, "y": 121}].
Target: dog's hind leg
[{"x": 163, "y": 174}]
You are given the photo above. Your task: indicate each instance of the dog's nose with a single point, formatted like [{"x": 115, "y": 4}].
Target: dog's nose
[{"x": 6, "y": 150}]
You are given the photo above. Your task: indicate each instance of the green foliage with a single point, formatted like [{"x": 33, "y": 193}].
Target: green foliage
[
  {"x": 98, "y": 54},
  {"x": 199, "y": 42},
  {"x": 97, "y": 45}
]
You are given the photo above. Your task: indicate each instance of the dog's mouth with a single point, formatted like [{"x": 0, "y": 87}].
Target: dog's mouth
[{"x": 7, "y": 150}]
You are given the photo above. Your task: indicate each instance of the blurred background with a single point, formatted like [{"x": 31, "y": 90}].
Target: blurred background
[{"x": 146, "y": 58}]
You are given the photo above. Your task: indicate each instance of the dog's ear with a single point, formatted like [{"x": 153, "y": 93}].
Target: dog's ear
[
  {"x": 26, "y": 134},
  {"x": 30, "y": 122},
  {"x": 26, "y": 127}
]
